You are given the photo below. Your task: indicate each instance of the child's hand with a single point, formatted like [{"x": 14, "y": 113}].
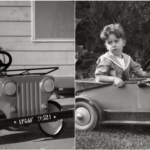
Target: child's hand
[{"x": 118, "y": 82}]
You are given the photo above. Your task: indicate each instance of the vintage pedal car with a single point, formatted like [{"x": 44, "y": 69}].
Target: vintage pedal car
[
  {"x": 24, "y": 99},
  {"x": 104, "y": 103}
]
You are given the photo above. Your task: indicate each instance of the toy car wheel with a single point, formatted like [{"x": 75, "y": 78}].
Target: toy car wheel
[
  {"x": 86, "y": 117},
  {"x": 53, "y": 129}
]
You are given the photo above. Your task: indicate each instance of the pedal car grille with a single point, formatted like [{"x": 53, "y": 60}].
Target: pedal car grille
[{"x": 28, "y": 98}]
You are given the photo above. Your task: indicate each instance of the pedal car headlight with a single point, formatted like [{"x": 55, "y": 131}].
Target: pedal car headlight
[
  {"x": 48, "y": 85},
  {"x": 9, "y": 87}
]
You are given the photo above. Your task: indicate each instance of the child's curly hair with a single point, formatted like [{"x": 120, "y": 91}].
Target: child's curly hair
[{"x": 115, "y": 29}]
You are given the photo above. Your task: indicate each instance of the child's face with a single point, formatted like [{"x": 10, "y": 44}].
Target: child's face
[{"x": 115, "y": 45}]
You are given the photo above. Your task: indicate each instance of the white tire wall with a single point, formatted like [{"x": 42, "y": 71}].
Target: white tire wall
[{"x": 86, "y": 117}]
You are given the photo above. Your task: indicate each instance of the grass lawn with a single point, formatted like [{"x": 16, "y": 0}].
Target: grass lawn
[{"x": 114, "y": 137}]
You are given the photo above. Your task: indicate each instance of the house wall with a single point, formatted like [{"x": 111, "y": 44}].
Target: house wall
[{"x": 16, "y": 37}]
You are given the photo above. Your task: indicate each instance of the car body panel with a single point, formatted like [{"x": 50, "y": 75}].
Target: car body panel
[
  {"x": 143, "y": 99},
  {"x": 128, "y": 104},
  {"x": 109, "y": 97}
]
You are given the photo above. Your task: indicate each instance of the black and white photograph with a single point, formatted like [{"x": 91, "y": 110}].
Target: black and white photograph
[
  {"x": 37, "y": 74},
  {"x": 74, "y": 74},
  {"x": 112, "y": 75}
]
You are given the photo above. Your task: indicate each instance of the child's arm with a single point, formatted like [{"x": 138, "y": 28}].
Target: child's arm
[
  {"x": 101, "y": 73},
  {"x": 115, "y": 80},
  {"x": 146, "y": 74},
  {"x": 102, "y": 78},
  {"x": 137, "y": 69}
]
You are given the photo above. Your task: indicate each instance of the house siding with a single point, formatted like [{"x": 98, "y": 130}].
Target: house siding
[{"x": 16, "y": 38}]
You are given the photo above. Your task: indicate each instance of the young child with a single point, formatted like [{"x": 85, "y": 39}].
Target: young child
[{"x": 114, "y": 66}]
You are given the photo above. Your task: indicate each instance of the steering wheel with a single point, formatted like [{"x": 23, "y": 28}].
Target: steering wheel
[{"x": 4, "y": 66}]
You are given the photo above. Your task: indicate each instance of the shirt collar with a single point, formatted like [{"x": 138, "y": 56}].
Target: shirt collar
[{"x": 113, "y": 58}]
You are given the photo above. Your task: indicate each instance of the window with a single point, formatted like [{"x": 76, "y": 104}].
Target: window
[{"x": 53, "y": 21}]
